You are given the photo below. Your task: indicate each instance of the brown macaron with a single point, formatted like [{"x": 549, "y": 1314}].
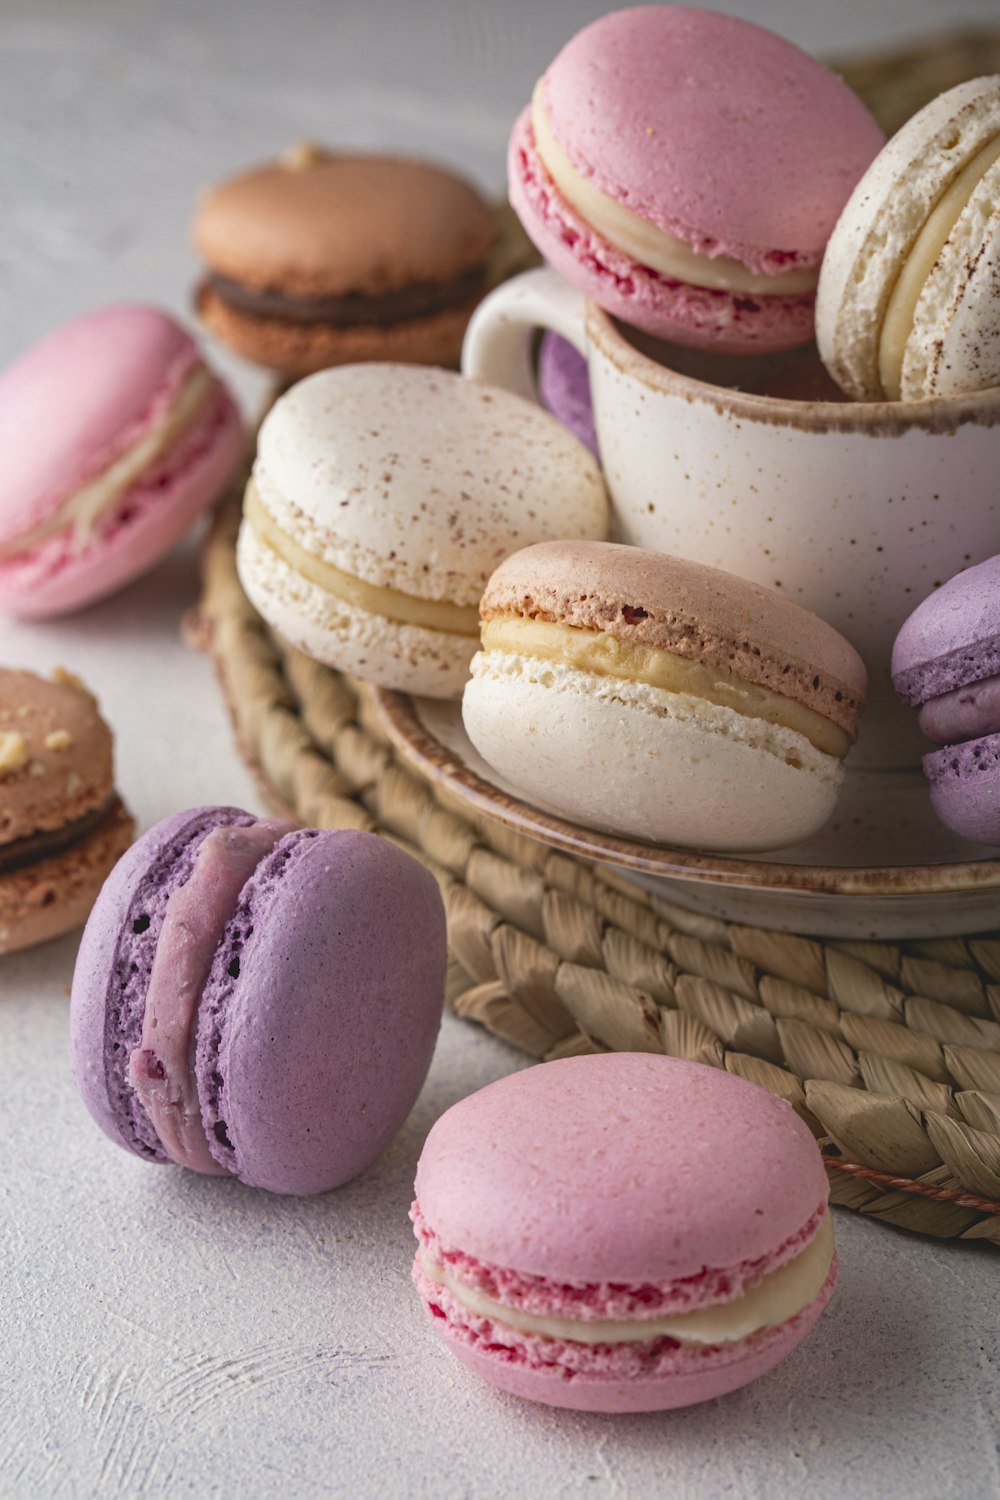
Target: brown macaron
[
  {"x": 322, "y": 259},
  {"x": 62, "y": 824}
]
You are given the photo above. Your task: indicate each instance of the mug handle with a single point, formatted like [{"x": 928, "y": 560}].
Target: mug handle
[{"x": 497, "y": 346}]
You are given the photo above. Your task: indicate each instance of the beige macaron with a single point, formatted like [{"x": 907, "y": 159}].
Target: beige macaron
[
  {"x": 381, "y": 500},
  {"x": 62, "y": 825},
  {"x": 908, "y": 305},
  {"x": 660, "y": 698}
]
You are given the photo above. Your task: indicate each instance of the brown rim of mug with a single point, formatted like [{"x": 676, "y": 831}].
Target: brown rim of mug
[{"x": 877, "y": 418}]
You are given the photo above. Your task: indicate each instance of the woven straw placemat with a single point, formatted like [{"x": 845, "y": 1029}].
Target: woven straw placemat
[{"x": 889, "y": 1052}]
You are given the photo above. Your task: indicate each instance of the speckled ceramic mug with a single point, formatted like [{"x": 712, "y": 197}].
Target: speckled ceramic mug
[{"x": 856, "y": 510}]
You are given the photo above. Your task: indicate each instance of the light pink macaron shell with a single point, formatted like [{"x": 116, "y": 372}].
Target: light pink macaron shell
[
  {"x": 693, "y": 316},
  {"x": 718, "y": 131},
  {"x": 78, "y": 399},
  {"x": 629, "y": 1167},
  {"x": 721, "y": 1369},
  {"x": 154, "y": 514}
]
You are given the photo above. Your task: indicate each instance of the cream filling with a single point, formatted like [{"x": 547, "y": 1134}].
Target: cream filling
[
  {"x": 646, "y": 242},
  {"x": 85, "y": 509},
  {"x": 900, "y": 312},
  {"x": 775, "y": 1299},
  {"x": 392, "y": 604},
  {"x": 607, "y": 655}
]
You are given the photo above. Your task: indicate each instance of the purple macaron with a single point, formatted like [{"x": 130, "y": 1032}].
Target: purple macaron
[
  {"x": 258, "y": 1000},
  {"x": 564, "y": 388},
  {"x": 946, "y": 660}
]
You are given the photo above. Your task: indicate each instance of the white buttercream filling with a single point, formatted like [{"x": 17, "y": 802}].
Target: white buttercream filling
[
  {"x": 647, "y": 243},
  {"x": 776, "y": 1298},
  {"x": 84, "y": 509},
  {"x": 900, "y": 312}
]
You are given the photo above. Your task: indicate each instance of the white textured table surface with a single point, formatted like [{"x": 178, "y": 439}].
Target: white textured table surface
[{"x": 163, "y": 1334}]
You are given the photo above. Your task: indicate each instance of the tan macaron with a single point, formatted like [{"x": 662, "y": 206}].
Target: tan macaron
[
  {"x": 661, "y": 698},
  {"x": 321, "y": 259},
  {"x": 62, "y": 824}
]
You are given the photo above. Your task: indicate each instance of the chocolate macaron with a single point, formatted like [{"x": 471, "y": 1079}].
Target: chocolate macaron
[
  {"x": 62, "y": 824},
  {"x": 323, "y": 258}
]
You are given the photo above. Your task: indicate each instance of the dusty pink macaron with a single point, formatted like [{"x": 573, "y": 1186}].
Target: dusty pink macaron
[
  {"x": 622, "y": 1232},
  {"x": 685, "y": 169},
  {"x": 115, "y": 437}
]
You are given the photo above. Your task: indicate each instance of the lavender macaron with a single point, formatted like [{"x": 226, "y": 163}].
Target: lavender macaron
[
  {"x": 258, "y": 1000},
  {"x": 946, "y": 661},
  {"x": 564, "y": 388}
]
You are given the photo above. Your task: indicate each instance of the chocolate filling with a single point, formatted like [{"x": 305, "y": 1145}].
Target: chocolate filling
[
  {"x": 39, "y": 846},
  {"x": 420, "y": 300}
]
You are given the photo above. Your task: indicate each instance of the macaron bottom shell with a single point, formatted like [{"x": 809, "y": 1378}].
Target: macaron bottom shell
[
  {"x": 155, "y": 512},
  {"x": 965, "y": 788},
  {"x": 693, "y": 316},
  {"x": 681, "y": 1375},
  {"x": 389, "y": 653},
  {"x": 641, "y": 761}
]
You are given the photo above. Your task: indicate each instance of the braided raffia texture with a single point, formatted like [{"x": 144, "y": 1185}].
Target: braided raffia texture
[{"x": 890, "y": 1053}]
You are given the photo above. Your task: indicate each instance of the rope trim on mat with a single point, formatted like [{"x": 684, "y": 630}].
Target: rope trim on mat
[{"x": 907, "y": 1185}]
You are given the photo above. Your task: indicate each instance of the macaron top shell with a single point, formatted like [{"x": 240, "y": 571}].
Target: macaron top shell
[
  {"x": 109, "y": 376},
  {"x": 695, "y": 611},
  {"x": 417, "y": 479},
  {"x": 716, "y": 130},
  {"x": 620, "y": 1167},
  {"x": 952, "y": 638},
  {"x": 880, "y": 223},
  {"x": 58, "y": 751},
  {"x": 319, "y": 224}
]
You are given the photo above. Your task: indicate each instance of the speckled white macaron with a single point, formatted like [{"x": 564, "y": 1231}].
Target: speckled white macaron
[
  {"x": 908, "y": 304},
  {"x": 383, "y": 497}
]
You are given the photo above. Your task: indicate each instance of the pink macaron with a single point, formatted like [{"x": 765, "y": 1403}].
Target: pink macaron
[
  {"x": 685, "y": 169},
  {"x": 622, "y": 1232},
  {"x": 115, "y": 436}
]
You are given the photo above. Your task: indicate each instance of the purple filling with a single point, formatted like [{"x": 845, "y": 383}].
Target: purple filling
[
  {"x": 133, "y": 963},
  {"x": 222, "y": 982},
  {"x": 966, "y": 713}
]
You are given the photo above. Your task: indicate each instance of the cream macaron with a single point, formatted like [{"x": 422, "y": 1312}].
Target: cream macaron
[
  {"x": 660, "y": 698},
  {"x": 908, "y": 304},
  {"x": 381, "y": 500}
]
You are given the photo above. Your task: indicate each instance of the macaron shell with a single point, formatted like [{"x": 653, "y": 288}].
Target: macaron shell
[
  {"x": 313, "y": 1090},
  {"x": 636, "y": 760},
  {"x": 77, "y": 399},
  {"x": 106, "y": 1007},
  {"x": 952, "y": 637},
  {"x": 421, "y": 481},
  {"x": 965, "y": 788},
  {"x": 68, "y": 771},
  {"x": 955, "y": 343},
  {"x": 153, "y": 515},
  {"x": 564, "y": 388},
  {"x": 433, "y": 663},
  {"x": 881, "y": 220},
  {"x": 338, "y": 223},
  {"x": 715, "y": 1372},
  {"x": 55, "y": 895},
  {"x": 297, "y": 349},
  {"x": 695, "y": 317},
  {"x": 621, "y": 1168},
  {"x": 718, "y": 131}
]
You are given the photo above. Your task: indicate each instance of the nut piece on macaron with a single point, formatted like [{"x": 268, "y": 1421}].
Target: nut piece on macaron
[{"x": 62, "y": 824}]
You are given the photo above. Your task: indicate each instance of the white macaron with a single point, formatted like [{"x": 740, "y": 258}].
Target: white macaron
[
  {"x": 908, "y": 305},
  {"x": 381, "y": 500}
]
